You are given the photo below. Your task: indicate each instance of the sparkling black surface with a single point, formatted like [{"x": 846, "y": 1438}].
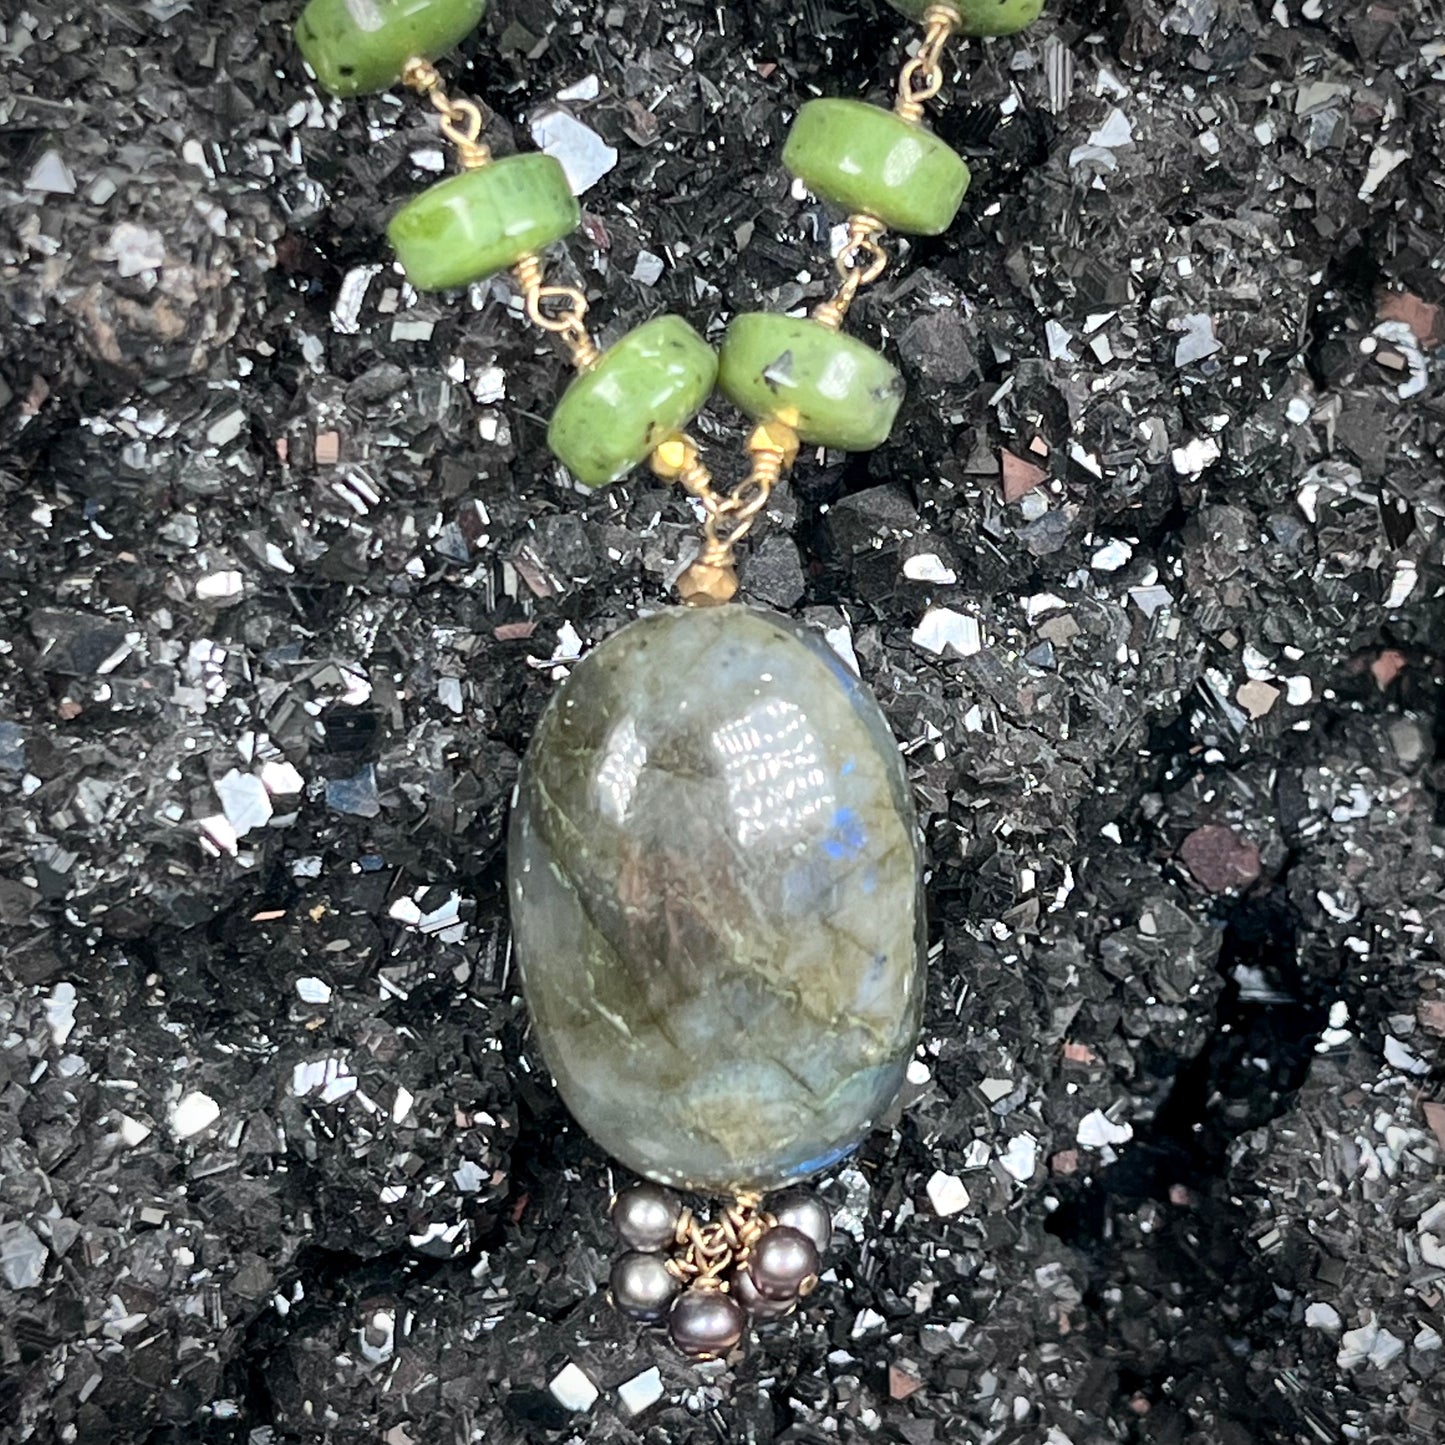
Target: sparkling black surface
[{"x": 285, "y": 576}]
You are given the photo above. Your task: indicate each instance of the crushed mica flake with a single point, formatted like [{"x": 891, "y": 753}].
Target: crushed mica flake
[{"x": 573, "y": 1390}]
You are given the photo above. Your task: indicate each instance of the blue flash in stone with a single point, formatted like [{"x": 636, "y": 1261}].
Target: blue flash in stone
[{"x": 716, "y": 900}]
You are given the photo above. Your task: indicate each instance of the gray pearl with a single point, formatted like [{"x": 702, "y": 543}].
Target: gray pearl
[
  {"x": 784, "y": 1263},
  {"x": 646, "y": 1216},
  {"x": 806, "y": 1213},
  {"x": 643, "y": 1286},
  {"x": 759, "y": 1307},
  {"x": 705, "y": 1323}
]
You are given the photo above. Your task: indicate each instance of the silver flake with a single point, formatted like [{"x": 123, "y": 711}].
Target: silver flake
[
  {"x": 583, "y": 154},
  {"x": 942, "y": 629},
  {"x": 22, "y": 1256},
  {"x": 244, "y": 800},
  {"x": 51, "y": 174},
  {"x": 929, "y": 567},
  {"x": 641, "y": 1391},
  {"x": 573, "y": 1390},
  {"x": 946, "y": 1194},
  {"x": 193, "y": 1113},
  {"x": 1098, "y": 1131}
]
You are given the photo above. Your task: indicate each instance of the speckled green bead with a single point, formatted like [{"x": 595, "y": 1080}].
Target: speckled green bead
[
  {"x": 646, "y": 387},
  {"x": 480, "y": 222},
  {"x": 358, "y": 46},
  {"x": 863, "y": 158},
  {"x": 980, "y": 17},
  {"x": 830, "y": 388}
]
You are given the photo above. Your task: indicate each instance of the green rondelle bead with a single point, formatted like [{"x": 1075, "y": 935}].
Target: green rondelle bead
[
  {"x": 482, "y": 221},
  {"x": 830, "y": 388},
  {"x": 359, "y": 46},
  {"x": 980, "y": 17},
  {"x": 645, "y": 387},
  {"x": 863, "y": 158}
]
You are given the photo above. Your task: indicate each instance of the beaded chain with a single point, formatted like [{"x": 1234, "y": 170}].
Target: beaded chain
[{"x": 800, "y": 380}]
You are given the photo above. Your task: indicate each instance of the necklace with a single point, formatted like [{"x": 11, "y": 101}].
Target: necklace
[{"x": 714, "y": 865}]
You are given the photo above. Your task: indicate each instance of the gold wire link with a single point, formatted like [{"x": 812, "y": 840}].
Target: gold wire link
[
  {"x": 732, "y": 518},
  {"x": 922, "y": 76},
  {"x": 860, "y": 263},
  {"x": 461, "y": 119},
  {"x": 677, "y": 460},
  {"x": 707, "y": 1250},
  {"x": 863, "y": 258},
  {"x": 727, "y": 517},
  {"x": 562, "y": 310}
]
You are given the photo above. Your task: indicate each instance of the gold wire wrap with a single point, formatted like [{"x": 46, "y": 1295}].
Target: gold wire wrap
[
  {"x": 727, "y": 517},
  {"x": 559, "y": 309},
  {"x": 562, "y": 310},
  {"x": 863, "y": 258},
  {"x": 860, "y": 263},
  {"x": 922, "y": 76},
  {"x": 773, "y": 448},
  {"x": 461, "y": 119},
  {"x": 706, "y": 1252}
]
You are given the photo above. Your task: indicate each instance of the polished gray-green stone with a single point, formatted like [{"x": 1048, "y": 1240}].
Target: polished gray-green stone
[{"x": 716, "y": 902}]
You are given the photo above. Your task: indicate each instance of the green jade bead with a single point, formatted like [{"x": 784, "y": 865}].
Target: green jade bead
[
  {"x": 714, "y": 880},
  {"x": 863, "y": 158},
  {"x": 643, "y": 389},
  {"x": 830, "y": 388},
  {"x": 478, "y": 223},
  {"x": 980, "y": 17},
  {"x": 359, "y": 46}
]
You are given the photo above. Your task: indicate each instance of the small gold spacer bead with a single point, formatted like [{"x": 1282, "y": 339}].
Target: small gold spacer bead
[
  {"x": 671, "y": 458},
  {"x": 584, "y": 353},
  {"x": 473, "y": 155},
  {"x": 773, "y": 438},
  {"x": 707, "y": 584},
  {"x": 942, "y": 17},
  {"x": 420, "y": 75}
]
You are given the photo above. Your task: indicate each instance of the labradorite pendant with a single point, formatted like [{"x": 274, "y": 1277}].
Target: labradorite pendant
[{"x": 716, "y": 900}]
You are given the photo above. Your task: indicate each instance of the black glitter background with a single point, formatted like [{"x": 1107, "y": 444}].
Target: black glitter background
[{"x": 1147, "y": 580}]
